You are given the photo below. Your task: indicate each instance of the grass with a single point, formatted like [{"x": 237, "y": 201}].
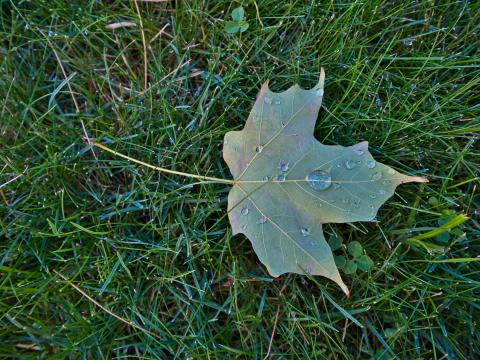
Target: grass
[{"x": 102, "y": 258}]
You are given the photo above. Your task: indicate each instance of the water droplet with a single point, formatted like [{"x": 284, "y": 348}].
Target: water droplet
[
  {"x": 281, "y": 178},
  {"x": 262, "y": 220},
  {"x": 345, "y": 201},
  {"x": 373, "y": 196},
  {"x": 245, "y": 211},
  {"x": 339, "y": 165},
  {"x": 349, "y": 164},
  {"x": 244, "y": 226},
  {"x": 332, "y": 201},
  {"x": 391, "y": 171},
  {"x": 267, "y": 100},
  {"x": 284, "y": 166},
  {"x": 259, "y": 149},
  {"x": 319, "y": 180},
  {"x": 319, "y": 92},
  {"x": 407, "y": 41},
  {"x": 305, "y": 231},
  {"x": 355, "y": 204},
  {"x": 377, "y": 175},
  {"x": 336, "y": 185},
  {"x": 266, "y": 178},
  {"x": 371, "y": 207},
  {"x": 378, "y": 102},
  {"x": 381, "y": 192},
  {"x": 319, "y": 204},
  {"x": 371, "y": 164},
  {"x": 277, "y": 102},
  {"x": 359, "y": 151}
]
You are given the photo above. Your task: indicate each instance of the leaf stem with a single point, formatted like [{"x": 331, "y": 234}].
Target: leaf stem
[{"x": 180, "y": 173}]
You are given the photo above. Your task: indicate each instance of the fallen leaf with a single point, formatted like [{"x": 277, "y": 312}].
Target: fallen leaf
[{"x": 287, "y": 184}]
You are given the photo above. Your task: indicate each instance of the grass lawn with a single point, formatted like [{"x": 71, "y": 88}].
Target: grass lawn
[{"x": 103, "y": 258}]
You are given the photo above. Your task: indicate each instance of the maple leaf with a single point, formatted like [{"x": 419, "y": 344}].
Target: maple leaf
[{"x": 287, "y": 184}]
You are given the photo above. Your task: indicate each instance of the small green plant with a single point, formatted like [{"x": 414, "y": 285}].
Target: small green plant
[
  {"x": 358, "y": 259},
  {"x": 237, "y": 24}
]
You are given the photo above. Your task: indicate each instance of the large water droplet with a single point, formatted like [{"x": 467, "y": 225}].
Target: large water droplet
[
  {"x": 319, "y": 180},
  {"x": 262, "y": 220},
  {"x": 245, "y": 211},
  {"x": 281, "y": 178},
  {"x": 377, "y": 175},
  {"x": 259, "y": 149},
  {"x": 284, "y": 166},
  {"x": 305, "y": 231},
  {"x": 267, "y": 100},
  {"x": 350, "y": 164},
  {"x": 371, "y": 164},
  {"x": 319, "y": 92}
]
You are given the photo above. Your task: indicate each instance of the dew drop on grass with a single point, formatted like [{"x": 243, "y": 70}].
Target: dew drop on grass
[
  {"x": 245, "y": 211},
  {"x": 350, "y": 164},
  {"x": 377, "y": 175},
  {"x": 371, "y": 164},
  {"x": 305, "y": 231},
  {"x": 319, "y": 180},
  {"x": 407, "y": 41}
]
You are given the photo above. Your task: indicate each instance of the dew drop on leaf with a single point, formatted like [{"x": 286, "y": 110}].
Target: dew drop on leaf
[
  {"x": 244, "y": 226},
  {"x": 391, "y": 171},
  {"x": 377, "y": 175},
  {"x": 336, "y": 185},
  {"x": 319, "y": 180},
  {"x": 381, "y": 192},
  {"x": 319, "y": 92},
  {"x": 350, "y": 164},
  {"x": 371, "y": 164},
  {"x": 245, "y": 211},
  {"x": 359, "y": 151},
  {"x": 284, "y": 167},
  {"x": 281, "y": 178},
  {"x": 305, "y": 231},
  {"x": 265, "y": 178},
  {"x": 259, "y": 149},
  {"x": 262, "y": 220},
  {"x": 267, "y": 100}
]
